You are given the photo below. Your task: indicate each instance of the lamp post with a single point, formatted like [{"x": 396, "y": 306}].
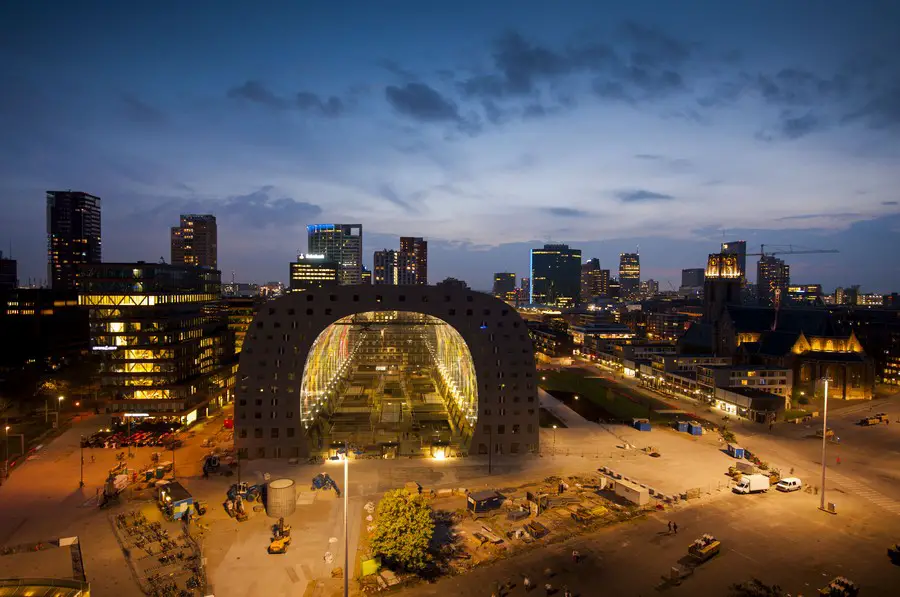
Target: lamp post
[
  {"x": 554, "y": 441},
  {"x": 346, "y": 525},
  {"x": 824, "y": 442},
  {"x": 6, "y": 455},
  {"x": 81, "y": 482},
  {"x": 59, "y": 407}
]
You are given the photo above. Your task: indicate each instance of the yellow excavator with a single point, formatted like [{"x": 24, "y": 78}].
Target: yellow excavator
[{"x": 279, "y": 544}]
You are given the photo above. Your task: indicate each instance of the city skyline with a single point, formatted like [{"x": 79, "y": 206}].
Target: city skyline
[{"x": 487, "y": 148}]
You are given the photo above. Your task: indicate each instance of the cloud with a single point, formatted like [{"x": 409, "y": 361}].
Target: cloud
[
  {"x": 814, "y": 216},
  {"x": 398, "y": 71},
  {"x": 651, "y": 47},
  {"x": 387, "y": 192},
  {"x": 256, "y": 92},
  {"x": 674, "y": 163},
  {"x": 331, "y": 107},
  {"x": 791, "y": 126},
  {"x": 421, "y": 102},
  {"x": 641, "y": 195},
  {"x": 141, "y": 112},
  {"x": 566, "y": 212},
  {"x": 889, "y": 203}
]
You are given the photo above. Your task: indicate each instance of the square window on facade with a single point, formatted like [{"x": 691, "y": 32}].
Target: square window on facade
[
  {"x": 257, "y": 415},
  {"x": 260, "y": 452},
  {"x": 290, "y": 432},
  {"x": 514, "y": 448},
  {"x": 309, "y": 311},
  {"x": 257, "y": 433},
  {"x": 486, "y": 428},
  {"x": 501, "y": 429},
  {"x": 242, "y": 434},
  {"x": 274, "y": 432},
  {"x": 309, "y": 297},
  {"x": 516, "y": 429}
]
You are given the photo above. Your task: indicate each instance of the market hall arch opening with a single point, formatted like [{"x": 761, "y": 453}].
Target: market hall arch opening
[
  {"x": 417, "y": 370},
  {"x": 389, "y": 383}
]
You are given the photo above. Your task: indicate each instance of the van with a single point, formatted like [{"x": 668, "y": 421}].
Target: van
[{"x": 789, "y": 484}]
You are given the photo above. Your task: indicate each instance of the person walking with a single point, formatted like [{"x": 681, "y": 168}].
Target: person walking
[
  {"x": 575, "y": 556},
  {"x": 838, "y": 459},
  {"x": 675, "y": 527},
  {"x": 670, "y": 526},
  {"x": 549, "y": 588},
  {"x": 526, "y": 582}
]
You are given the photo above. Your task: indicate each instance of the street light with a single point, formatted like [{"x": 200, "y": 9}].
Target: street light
[
  {"x": 59, "y": 403},
  {"x": 81, "y": 482},
  {"x": 346, "y": 526},
  {"x": 6, "y": 455},
  {"x": 824, "y": 442},
  {"x": 554, "y": 441}
]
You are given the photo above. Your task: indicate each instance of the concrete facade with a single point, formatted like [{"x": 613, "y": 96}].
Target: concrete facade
[{"x": 277, "y": 345}]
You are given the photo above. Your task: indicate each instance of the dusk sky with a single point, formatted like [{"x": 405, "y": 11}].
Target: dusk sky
[{"x": 487, "y": 127}]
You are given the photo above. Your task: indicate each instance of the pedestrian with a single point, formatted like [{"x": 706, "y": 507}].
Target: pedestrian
[
  {"x": 575, "y": 556},
  {"x": 838, "y": 459},
  {"x": 93, "y": 459},
  {"x": 670, "y": 526},
  {"x": 526, "y": 582},
  {"x": 549, "y": 588},
  {"x": 675, "y": 527},
  {"x": 771, "y": 425},
  {"x": 567, "y": 593}
]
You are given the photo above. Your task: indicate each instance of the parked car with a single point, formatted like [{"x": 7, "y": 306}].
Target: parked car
[{"x": 789, "y": 484}]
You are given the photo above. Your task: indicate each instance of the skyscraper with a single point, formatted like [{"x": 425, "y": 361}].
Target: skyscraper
[
  {"x": 505, "y": 286},
  {"x": 73, "y": 235},
  {"x": 555, "y": 275},
  {"x": 366, "y": 275},
  {"x": 772, "y": 278},
  {"x": 8, "y": 273},
  {"x": 739, "y": 248},
  {"x": 594, "y": 281},
  {"x": 196, "y": 241},
  {"x": 630, "y": 274},
  {"x": 341, "y": 243},
  {"x": 416, "y": 249},
  {"x": 393, "y": 268}
]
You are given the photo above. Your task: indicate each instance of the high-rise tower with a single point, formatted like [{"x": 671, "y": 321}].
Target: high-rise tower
[
  {"x": 416, "y": 249},
  {"x": 630, "y": 274},
  {"x": 340, "y": 243},
  {"x": 196, "y": 241},
  {"x": 73, "y": 235},
  {"x": 555, "y": 276}
]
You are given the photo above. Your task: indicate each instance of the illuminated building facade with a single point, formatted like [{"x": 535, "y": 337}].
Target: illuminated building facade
[
  {"x": 196, "y": 241},
  {"x": 9, "y": 277},
  {"x": 416, "y": 250},
  {"x": 391, "y": 369},
  {"x": 73, "y": 235},
  {"x": 629, "y": 274},
  {"x": 505, "y": 286},
  {"x": 666, "y": 326},
  {"x": 773, "y": 276},
  {"x": 163, "y": 335},
  {"x": 555, "y": 276},
  {"x": 805, "y": 294},
  {"x": 240, "y": 312},
  {"x": 40, "y": 325},
  {"x": 313, "y": 271},
  {"x": 739, "y": 248},
  {"x": 340, "y": 243},
  {"x": 366, "y": 276},
  {"x": 594, "y": 281},
  {"x": 394, "y": 268}
]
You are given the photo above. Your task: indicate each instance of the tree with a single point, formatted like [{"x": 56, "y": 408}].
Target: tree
[
  {"x": 403, "y": 530},
  {"x": 756, "y": 588}
]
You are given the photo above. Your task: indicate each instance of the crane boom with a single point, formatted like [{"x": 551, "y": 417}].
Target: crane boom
[{"x": 790, "y": 251}]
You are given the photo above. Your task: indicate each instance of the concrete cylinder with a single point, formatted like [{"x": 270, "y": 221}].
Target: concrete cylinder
[{"x": 281, "y": 498}]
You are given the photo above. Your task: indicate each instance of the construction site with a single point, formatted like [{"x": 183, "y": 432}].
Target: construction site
[{"x": 389, "y": 383}]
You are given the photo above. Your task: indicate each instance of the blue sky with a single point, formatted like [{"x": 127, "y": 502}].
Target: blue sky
[{"x": 488, "y": 128}]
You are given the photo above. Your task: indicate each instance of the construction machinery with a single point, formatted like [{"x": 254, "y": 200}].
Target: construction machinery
[
  {"x": 280, "y": 529},
  {"x": 894, "y": 553},
  {"x": 235, "y": 508},
  {"x": 840, "y": 587},
  {"x": 200, "y": 507},
  {"x": 704, "y": 548},
  {"x": 324, "y": 481},
  {"x": 279, "y": 545},
  {"x": 244, "y": 490}
]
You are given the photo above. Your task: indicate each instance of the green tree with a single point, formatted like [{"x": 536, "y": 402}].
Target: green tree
[
  {"x": 403, "y": 530},
  {"x": 756, "y": 588}
]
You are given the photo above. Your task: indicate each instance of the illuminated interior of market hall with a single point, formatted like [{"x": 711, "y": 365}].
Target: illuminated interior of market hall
[{"x": 402, "y": 381}]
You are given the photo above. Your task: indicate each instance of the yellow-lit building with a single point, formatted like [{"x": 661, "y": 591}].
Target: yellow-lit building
[
  {"x": 313, "y": 271},
  {"x": 165, "y": 342}
]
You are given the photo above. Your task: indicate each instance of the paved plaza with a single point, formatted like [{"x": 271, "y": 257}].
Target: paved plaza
[{"x": 781, "y": 538}]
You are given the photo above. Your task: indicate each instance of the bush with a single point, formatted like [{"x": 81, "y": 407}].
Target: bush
[
  {"x": 728, "y": 436},
  {"x": 803, "y": 400},
  {"x": 403, "y": 530}
]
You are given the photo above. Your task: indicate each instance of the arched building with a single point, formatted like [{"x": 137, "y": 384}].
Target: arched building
[{"x": 390, "y": 370}]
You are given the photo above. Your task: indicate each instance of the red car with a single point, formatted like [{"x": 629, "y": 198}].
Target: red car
[{"x": 229, "y": 423}]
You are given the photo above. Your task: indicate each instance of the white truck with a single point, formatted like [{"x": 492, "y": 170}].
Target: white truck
[{"x": 752, "y": 484}]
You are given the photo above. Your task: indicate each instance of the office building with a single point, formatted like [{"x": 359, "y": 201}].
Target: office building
[
  {"x": 9, "y": 277},
  {"x": 630, "y": 274},
  {"x": 805, "y": 294},
  {"x": 366, "y": 275},
  {"x": 505, "y": 286},
  {"x": 739, "y": 248},
  {"x": 555, "y": 276},
  {"x": 163, "y": 335},
  {"x": 594, "y": 281},
  {"x": 340, "y": 243},
  {"x": 692, "y": 278},
  {"x": 40, "y": 325},
  {"x": 195, "y": 241},
  {"x": 313, "y": 271},
  {"x": 416, "y": 250},
  {"x": 73, "y": 235},
  {"x": 666, "y": 326},
  {"x": 773, "y": 276},
  {"x": 649, "y": 288},
  {"x": 393, "y": 268},
  {"x": 239, "y": 313}
]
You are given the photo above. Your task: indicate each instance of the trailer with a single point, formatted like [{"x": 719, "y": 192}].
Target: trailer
[
  {"x": 735, "y": 451},
  {"x": 641, "y": 424},
  {"x": 705, "y": 548},
  {"x": 681, "y": 426},
  {"x": 695, "y": 428}
]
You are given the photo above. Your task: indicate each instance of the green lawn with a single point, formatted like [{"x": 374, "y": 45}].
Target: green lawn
[{"x": 613, "y": 401}]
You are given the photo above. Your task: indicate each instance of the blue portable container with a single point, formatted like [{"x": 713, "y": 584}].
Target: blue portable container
[
  {"x": 641, "y": 424},
  {"x": 681, "y": 426},
  {"x": 735, "y": 451},
  {"x": 695, "y": 428}
]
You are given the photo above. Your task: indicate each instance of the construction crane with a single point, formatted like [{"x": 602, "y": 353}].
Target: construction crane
[{"x": 788, "y": 251}]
